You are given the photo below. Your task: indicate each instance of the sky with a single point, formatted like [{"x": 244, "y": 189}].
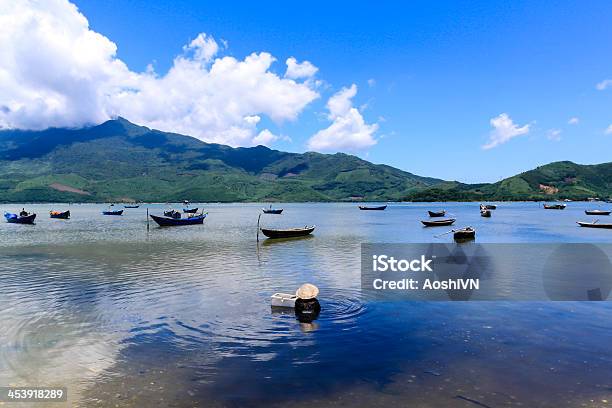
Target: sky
[{"x": 473, "y": 91}]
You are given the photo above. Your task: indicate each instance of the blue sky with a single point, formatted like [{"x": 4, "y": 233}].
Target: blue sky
[{"x": 430, "y": 75}]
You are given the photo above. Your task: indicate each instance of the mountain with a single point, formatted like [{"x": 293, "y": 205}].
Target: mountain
[
  {"x": 556, "y": 180},
  {"x": 120, "y": 161}
]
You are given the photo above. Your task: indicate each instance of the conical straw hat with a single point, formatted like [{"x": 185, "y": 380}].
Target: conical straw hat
[{"x": 307, "y": 291}]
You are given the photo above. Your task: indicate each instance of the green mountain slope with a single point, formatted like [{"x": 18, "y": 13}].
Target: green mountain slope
[
  {"x": 553, "y": 181},
  {"x": 120, "y": 161}
]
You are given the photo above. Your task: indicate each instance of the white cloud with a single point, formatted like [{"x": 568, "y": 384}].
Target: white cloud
[
  {"x": 504, "y": 129},
  {"x": 296, "y": 70},
  {"x": 371, "y": 82},
  {"x": 573, "y": 121},
  {"x": 203, "y": 47},
  {"x": 56, "y": 71},
  {"x": 608, "y": 130},
  {"x": 604, "y": 84},
  {"x": 265, "y": 137},
  {"x": 554, "y": 135},
  {"x": 348, "y": 130}
]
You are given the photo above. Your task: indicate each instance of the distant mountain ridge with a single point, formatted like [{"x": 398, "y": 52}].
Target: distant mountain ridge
[{"x": 120, "y": 161}]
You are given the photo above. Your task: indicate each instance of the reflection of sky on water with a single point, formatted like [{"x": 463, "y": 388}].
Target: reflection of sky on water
[{"x": 185, "y": 312}]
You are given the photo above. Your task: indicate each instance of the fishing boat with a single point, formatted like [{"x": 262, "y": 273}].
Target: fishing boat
[
  {"x": 437, "y": 213},
  {"x": 20, "y": 218},
  {"x": 554, "y": 206},
  {"x": 366, "y": 208},
  {"x": 112, "y": 212},
  {"x": 490, "y": 207},
  {"x": 287, "y": 233},
  {"x": 438, "y": 223},
  {"x": 190, "y": 210},
  {"x": 64, "y": 215},
  {"x": 485, "y": 213},
  {"x": 597, "y": 212},
  {"x": 171, "y": 221},
  {"x": 464, "y": 234},
  {"x": 272, "y": 210},
  {"x": 594, "y": 224},
  {"x": 131, "y": 206}
]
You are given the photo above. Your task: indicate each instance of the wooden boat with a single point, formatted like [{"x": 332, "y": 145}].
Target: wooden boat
[
  {"x": 485, "y": 213},
  {"x": 438, "y": 223},
  {"x": 464, "y": 234},
  {"x": 554, "y": 206},
  {"x": 131, "y": 206},
  {"x": 64, "y": 215},
  {"x": 366, "y": 208},
  {"x": 437, "y": 213},
  {"x": 597, "y": 212},
  {"x": 287, "y": 233},
  {"x": 490, "y": 207},
  {"x": 594, "y": 224},
  {"x": 272, "y": 210},
  {"x": 112, "y": 212},
  {"x": 172, "y": 222},
  {"x": 190, "y": 210},
  {"x": 19, "y": 219}
]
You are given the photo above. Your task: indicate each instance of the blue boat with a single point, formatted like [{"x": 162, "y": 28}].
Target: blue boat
[
  {"x": 19, "y": 219},
  {"x": 171, "y": 221},
  {"x": 118, "y": 212}
]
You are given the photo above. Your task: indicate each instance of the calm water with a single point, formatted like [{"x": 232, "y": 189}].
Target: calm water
[{"x": 180, "y": 317}]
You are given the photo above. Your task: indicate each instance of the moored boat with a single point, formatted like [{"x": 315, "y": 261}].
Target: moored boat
[
  {"x": 272, "y": 210},
  {"x": 554, "y": 206},
  {"x": 131, "y": 206},
  {"x": 464, "y": 234},
  {"x": 21, "y": 218},
  {"x": 490, "y": 207},
  {"x": 597, "y": 212},
  {"x": 64, "y": 215},
  {"x": 485, "y": 213},
  {"x": 190, "y": 210},
  {"x": 112, "y": 212},
  {"x": 437, "y": 213},
  {"x": 376, "y": 208},
  {"x": 594, "y": 224},
  {"x": 172, "y": 221},
  {"x": 438, "y": 223},
  {"x": 287, "y": 233}
]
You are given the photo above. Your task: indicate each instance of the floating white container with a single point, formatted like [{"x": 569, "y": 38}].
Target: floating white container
[{"x": 283, "y": 300}]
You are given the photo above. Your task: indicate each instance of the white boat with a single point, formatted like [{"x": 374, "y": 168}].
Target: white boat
[{"x": 283, "y": 300}]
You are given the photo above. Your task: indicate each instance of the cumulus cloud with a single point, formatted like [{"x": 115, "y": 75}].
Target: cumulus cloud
[
  {"x": 265, "y": 138},
  {"x": 504, "y": 129},
  {"x": 573, "y": 121},
  {"x": 296, "y": 70},
  {"x": 554, "y": 135},
  {"x": 56, "y": 71},
  {"x": 608, "y": 130},
  {"x": 348, "y": 130},
  {"x": 604, "y": 84}
]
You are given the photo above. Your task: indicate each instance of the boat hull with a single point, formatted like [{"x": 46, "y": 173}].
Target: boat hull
[
  {"x": 267, "y": 211},
  {"x": 554, "y": 207},
  {"x": 436, "y": 213},
  {"x": 19, "y": 219},
  {"x": 60, "y": 215},
  {"x": 439, "y": 223},
  {"x": 120, "y": 212},
  {"x": 190, "y": 210},
  {"x": 175, "y": 222},
  {"x": 464, "y": 235},
  {"x": 379, "y": 208},
  {"x": 485, "y": 213},
  {"x": 597, "y": 212},
  {"x": 287, "y": 233},
  {"x": 594, "y": 225}
]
